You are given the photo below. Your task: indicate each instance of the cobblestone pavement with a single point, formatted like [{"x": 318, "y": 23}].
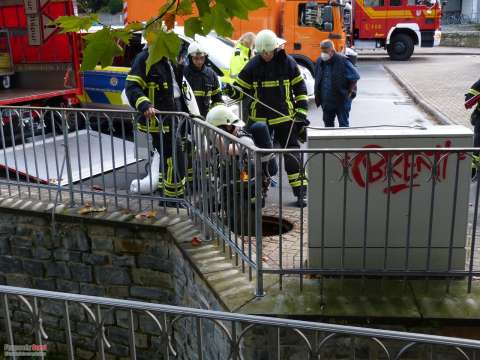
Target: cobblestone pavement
[{"x": 441, "y": 81}]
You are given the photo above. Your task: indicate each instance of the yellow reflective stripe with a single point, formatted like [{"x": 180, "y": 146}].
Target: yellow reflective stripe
[
  {"x": 293, "y": 176},
  {"x": 216, "y": 91},
  {"x": 301, "y": 97},
  {"x": 140, "y": 100},
  {"x": 298, "y": 183},
  {"x": 474, "y": 92},
  {"x": 243, "y": 83},
  {"x": 165, "y": 85},
  {"x": 279, "y": 120},
  {"x": 199, "y": 93},
  {"x": 258, "y": 119},
  {"x": 274, "y": 83},
  {"x": 297, "y": 79},
  {"x": 287, "y": 97},
  {"x": 148, "y": 129},
  {"x": 302, "y": 111},
  {"x": 138, "y": 80}
]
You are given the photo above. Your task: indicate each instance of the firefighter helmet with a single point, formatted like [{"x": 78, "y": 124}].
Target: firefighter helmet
[
  {"x": 267, "y": 41},
  {"x": 195, "y": 49},
  {"x": 222, "y": 115}
]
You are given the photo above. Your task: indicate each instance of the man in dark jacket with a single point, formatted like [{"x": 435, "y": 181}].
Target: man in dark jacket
[
  {"x": 335, "y": 85},
  {"x": 202, "y": 79},
  {"x": 160, "y": 90},
  {"x": 274, "y": 80}
]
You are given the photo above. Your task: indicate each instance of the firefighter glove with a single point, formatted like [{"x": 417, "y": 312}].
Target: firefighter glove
[{"x": 301, "y": 124}]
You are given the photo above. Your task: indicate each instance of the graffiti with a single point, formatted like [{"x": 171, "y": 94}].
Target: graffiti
[{"x": 405, "y": 168}]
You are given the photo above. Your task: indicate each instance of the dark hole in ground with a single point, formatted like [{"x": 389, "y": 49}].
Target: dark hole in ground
[{"x": 272, "y": 226}]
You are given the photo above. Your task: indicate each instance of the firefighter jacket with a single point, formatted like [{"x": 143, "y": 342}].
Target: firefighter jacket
[
  {"x": 472, "y": 97},
  {"x": 278, "y": 84},
  {"x": 154, "y": 89},
  {"x": 241, "y": 55},
  {"x": 205, "y": 86}
]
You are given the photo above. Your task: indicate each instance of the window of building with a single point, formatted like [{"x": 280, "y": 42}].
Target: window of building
[{"x": 395, "y": 2}]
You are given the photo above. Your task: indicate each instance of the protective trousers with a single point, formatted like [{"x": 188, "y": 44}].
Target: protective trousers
[
  {"x": 168, "y": 143},
  {"x": 287, "y": 137}
]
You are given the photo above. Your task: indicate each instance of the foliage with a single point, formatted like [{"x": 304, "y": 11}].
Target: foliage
[
  {"x": 115, "y": 6},
  {"x": 202, "y": 16}
]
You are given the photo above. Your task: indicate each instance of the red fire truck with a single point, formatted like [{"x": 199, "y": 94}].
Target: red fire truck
[
  {"x": 38, "y": 65},
  {"x": 397, "y": 25}
]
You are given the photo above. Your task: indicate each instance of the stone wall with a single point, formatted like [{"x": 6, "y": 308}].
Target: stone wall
[
  {"x": 461, "y": 39},
  {"x": 125, "y": 262}
]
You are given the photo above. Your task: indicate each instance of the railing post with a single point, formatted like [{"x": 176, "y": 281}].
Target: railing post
[
  {"x": 67, "y": 157},
  {"x": 258, "y": 222}
]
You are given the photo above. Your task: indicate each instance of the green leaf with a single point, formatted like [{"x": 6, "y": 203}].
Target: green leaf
[
  {"x": 203, "y": 7},
  {"x": 185, "y": 8},
  {"x": 135, "y": 26},
  {"x": 240, "y": 8},
  {"x": 218, "y": 20},
  {"x": 75, "y": 23},
  {"x": 122, "y": 35},
  {"x": 164, "y": 45},
  {"x": 193, "y": 26},
  {"x": 102, "y": 47},
  {"x": 168, "y": 5}
]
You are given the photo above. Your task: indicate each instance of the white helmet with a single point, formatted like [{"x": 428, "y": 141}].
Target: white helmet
[
  {"x": 222, "y": 115},
  {"x": 194, "y": 48},
  {"x": 266, "y": 41}
]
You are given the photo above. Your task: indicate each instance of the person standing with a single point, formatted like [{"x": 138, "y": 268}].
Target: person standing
[
  {"x": 242, "y": 53},
  {"x": 160, "y": 90},
  {"x": 274, "y": 80},
  {"x": 335, "y": 85},
  {"x": 202, "y": 79}
]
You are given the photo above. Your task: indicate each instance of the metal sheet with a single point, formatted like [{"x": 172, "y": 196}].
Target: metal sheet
[{"x": 56, "y": 145}]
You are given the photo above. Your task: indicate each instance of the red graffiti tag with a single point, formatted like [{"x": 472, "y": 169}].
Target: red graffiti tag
[{"x": 403, "y": 174}]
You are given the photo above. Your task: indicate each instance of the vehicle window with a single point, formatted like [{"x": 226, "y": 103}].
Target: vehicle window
[
  {"x": 311, "y": 15},
  {"x": 421, "y": 2},
  {"x": 395, "y": 2},
  {"x": 374, "y": 3}
]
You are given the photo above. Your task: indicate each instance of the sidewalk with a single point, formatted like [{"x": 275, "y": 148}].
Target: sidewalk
[{"x": 438, "y": 84}]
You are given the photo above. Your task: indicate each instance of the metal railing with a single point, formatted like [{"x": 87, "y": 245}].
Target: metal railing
[
  {"x": 237, "y": 336},
  {"x": 426, "y": 226}
]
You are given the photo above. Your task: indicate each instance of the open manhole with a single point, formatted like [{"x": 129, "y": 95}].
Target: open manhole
[{"x": 272, "y": 226}]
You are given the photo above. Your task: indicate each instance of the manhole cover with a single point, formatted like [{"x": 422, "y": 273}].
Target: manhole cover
[{"x": 272, "y": 226}]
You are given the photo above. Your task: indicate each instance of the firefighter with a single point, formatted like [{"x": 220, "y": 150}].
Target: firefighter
[
  {"x": 273, "y": 79},
  {"x": 242, "y": 53},
  {"x": 202, "y": 79},
  {"x": 223, "y": 118},
  {"x": 160, "y": 90},
  {"x": 472, "y": 98}
]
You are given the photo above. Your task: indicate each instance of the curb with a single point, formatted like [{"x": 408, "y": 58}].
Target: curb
[{"x": 437, "y": 115}]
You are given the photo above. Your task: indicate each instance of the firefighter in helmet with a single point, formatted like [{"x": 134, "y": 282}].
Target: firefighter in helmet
[
  {"x": 202, "y": 79},
  {"x": 274, "y": 80},
  {"x": 160, "y": 90},
  {"x": 223, "y": 118}
]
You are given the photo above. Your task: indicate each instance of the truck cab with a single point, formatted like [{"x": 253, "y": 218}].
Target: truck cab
[{"x": 306, "y": 24}]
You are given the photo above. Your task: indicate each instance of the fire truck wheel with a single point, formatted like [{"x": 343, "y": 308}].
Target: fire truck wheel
[{"x": 400, "y": 47}]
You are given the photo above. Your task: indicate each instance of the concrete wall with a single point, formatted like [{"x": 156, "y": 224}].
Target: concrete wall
[
  {"x": 113, "y": 261},
  {"x": 471, "y": 9},
  {"x": 461, "y": 39}
]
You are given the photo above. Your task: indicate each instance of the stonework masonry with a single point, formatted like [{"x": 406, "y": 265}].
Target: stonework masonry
[{"x": 128, "y": 262}]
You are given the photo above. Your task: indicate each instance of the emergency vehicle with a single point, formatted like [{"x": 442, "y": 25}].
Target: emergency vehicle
[
  {"x": 38, "y": 65},
  {"x": 395, "y": 25}
]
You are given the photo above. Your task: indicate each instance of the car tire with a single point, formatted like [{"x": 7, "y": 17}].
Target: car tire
[{"x": 401, "y": 47}]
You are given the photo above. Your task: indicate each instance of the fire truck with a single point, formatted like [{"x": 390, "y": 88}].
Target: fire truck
[
  {"x": 38, "y": 65},
  {"x": 395, "y": 25}
]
